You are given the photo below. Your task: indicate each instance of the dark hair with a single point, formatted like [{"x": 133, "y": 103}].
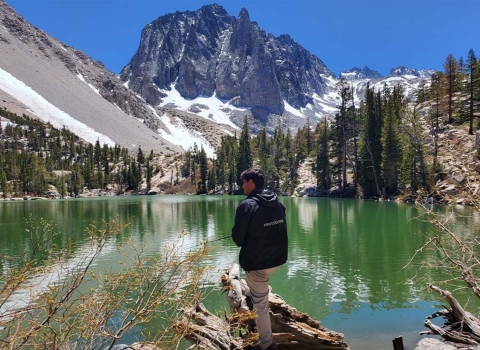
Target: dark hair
[{"x": 254, "y": 174}]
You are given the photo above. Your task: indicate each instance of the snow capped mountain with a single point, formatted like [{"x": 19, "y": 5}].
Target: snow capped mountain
[
  {"x": 205, "y": 73},
  {"x": 408, "y": 78},
  {"x": 209, "y": 53},
  {"x": 357, "y": 73},
  {"x": 404, "y": 71}
]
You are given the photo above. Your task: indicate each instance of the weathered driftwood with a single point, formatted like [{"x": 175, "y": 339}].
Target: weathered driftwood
[
  {"x": 293, "y": 330},
  {"x": 208, "y": 331},
  {"x": 236, "y": 290},
  {"x": 306, "y": 333},
  {"x": 461, "y": 327}
]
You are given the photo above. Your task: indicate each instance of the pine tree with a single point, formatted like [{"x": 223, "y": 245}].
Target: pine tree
[
  {"x": 421, "y": 94},
  {"x": 435, "y": 116},
  {"x": 300, "y": 142},
  {"x": 370, "y": 146},
  {"x": 340, "y": 134},
  {"x": 203, "y": 165},
  {"x": 291, "y": 164},
  {"x": 232, "y": 154},
  {"x": 244, "y": 160},
  {"x": 308, "y": 136},
  {"x": 263, "y": 147},
  {"x": 278, "y": 155},
  {"x": 185, "y": 166},
  {"x": 391, "y": 145},
  {"x": 413, "y": 170},
  {"x": 211, "y": 181},
  {"x": 322, "y": 164},
  {"x": 97, "y": 155},
  {"x": 220, "y": 167},
  {"x": 149, "y": 176},
  {"x": 473, "y": 72},
  {"x": 355, "y": 146},
  {"x": 140, "y": 155},
  {"x": 4, "y": 184},
  {"x": 451, "y": 83}
]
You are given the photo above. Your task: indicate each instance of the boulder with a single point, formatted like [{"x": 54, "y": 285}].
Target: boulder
[
  {"x": 306, "y": 190},
  {"x": 434, "y": 344}
]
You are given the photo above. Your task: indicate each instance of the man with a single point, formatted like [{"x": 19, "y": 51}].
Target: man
[{"x": 260, "y": 230}]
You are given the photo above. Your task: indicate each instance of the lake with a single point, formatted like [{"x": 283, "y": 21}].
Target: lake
[{"x": 346, "y": 257}]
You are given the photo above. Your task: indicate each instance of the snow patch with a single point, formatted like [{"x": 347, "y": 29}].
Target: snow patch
[
  {"x": 292, "y": 110},
  {"x": 46, "y": 111},
  {"x": 179, "y": 134},
  {"x": 211, "y": 108},
  {"x": 79, "y": 76}
]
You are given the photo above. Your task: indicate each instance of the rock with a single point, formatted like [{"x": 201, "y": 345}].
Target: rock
[
  {"x": 53, "y": 194},
  {"x": 451, "y": 190},
  {"x": 477, "y": 142},
  {"x": 306, "y": 190},
  {"x": 434, "y": 344},
  {"x": 476, "y": 188},
  {"x": 209, "y": 52},
  {"x": 457, "y": 178}
]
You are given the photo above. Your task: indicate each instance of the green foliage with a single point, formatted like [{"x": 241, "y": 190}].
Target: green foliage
[
  {"x": 225, "y": 165},
  {"x": 244, "y": 157},
  {"x": 371, "y": 122},
  {"x": 90, "y": 308},
  {"x": 390, "y": 138},
  {"x": 322, "y": 162},
  {"x": 30, "y": 151},
  {"x": 203, "y": 165},
  {"x": 413, "y": 169}
]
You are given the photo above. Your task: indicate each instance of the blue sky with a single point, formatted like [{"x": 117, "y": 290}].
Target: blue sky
[{"x": 380, "y": 34}]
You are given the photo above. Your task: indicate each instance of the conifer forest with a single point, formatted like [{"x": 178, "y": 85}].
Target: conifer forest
[{"x": 373, "y": 148}]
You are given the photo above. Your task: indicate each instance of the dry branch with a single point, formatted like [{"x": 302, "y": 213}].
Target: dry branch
[{"x": 460, "y": 325}]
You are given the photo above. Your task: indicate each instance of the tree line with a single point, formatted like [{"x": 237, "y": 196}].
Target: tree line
[
  {"x": 376, "y": 149},
  {"x": 35, "y": 155},
  {"x": 371, "y": 148}
]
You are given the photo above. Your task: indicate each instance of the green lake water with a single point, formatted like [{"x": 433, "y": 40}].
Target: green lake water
[{"x": 346, "y": 257}]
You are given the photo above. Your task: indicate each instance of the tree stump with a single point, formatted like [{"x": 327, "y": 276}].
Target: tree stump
[{"x": 293, "y": 330}]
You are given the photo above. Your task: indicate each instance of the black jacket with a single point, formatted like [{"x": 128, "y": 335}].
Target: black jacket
[{"x": 261, "y": 230}]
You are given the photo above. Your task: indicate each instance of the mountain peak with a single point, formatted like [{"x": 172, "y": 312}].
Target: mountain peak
[
  {"x": 213, "y": 8},
  {"x": 357, "y": 73},
  {"x": 402, "y": 70},
  {"x": 244, "y": 15}
]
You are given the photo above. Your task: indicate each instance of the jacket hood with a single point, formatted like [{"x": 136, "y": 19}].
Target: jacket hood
[{"x": 265, "y": 198}]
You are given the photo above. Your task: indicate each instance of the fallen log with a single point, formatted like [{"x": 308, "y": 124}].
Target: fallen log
[
  {"x": 460, "y": 327},
  {"x": 292, "y": 330}
]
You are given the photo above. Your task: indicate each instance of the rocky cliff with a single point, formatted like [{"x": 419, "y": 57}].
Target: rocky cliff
[{"x": 209, "y": 52}]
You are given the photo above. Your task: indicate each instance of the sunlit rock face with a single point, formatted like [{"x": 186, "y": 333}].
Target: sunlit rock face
[{"x": 209, "y": 51}]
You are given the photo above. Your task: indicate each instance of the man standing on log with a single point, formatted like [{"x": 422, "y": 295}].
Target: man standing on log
[{"x": 260, "y": 230}]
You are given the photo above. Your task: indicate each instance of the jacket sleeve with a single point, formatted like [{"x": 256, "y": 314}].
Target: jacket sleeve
[{"x": 242, "y": 223}]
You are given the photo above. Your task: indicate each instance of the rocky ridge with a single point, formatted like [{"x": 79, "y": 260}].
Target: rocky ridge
[{"x": 74, "y": 83}]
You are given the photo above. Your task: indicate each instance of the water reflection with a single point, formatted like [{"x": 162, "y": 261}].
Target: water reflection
[{"x": 346, "y": 257}]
